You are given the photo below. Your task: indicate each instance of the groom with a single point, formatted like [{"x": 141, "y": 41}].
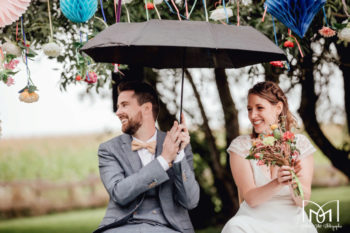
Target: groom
[{"x": 147, "y": 173}]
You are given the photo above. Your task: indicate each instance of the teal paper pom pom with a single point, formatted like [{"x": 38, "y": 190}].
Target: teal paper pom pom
[{"x": 78, "y": 11}]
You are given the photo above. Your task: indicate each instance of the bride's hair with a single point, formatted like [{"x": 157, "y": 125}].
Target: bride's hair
[{"x": 273, "y": 93}]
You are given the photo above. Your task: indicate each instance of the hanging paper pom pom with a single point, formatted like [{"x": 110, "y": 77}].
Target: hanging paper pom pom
[
  {"x": 326, "y": 32},
  {"x": 52, "y": 49},
  {"x": 28, "y": 97},
  {"x": 219, "y": 13},
  {"x": 78, "y": 11},
  {"x": 11, "y": 48},
  {"x": 344, "y": 34},
  {"x": 295, "y": 14}
]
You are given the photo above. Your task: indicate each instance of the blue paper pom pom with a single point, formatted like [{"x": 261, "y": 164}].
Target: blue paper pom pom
[
  {"x": 78, "y": 11},
  {"x": 295, "y": 14}
]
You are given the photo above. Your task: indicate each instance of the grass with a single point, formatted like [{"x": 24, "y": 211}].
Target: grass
[{"x": 87, "y": 220}]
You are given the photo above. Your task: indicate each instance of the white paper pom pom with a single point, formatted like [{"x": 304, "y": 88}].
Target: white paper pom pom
[
  {"x": 344, "y": 34},
  {"x": 12, "y": 48},
  {"x": 52, "y": 49},
  {"x": 219, "y": 13}
]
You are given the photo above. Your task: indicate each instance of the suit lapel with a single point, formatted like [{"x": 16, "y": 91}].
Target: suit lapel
[{"x": 132, "y": 156}]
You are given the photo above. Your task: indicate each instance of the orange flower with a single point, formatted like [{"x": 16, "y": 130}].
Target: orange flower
[
  {"x": 78, "y": 78},
  {"x": 149, "y": 6},
  {"x": 288, "y": 136},
  {"x": 28, "y": 97},
  {"x": 288, "y": 44},
  {"x": 277, "y": 64},
  {"x": 327, "y": 32}
]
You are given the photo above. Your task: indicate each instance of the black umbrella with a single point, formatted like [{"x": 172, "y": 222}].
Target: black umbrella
[{"x": 179, "y": 44}]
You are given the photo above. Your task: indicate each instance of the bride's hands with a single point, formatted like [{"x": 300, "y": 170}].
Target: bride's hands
[{"x": 284, "y": 176}]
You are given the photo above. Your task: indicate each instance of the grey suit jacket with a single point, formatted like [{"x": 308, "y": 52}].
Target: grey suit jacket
[{"x": 126, "y": 182}]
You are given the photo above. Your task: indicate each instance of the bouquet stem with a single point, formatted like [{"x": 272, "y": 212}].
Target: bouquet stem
[{"x": 298, "y": 191}]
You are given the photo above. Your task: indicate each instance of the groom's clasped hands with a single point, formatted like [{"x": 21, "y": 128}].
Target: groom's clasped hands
[{"x": 177, "y": 138}]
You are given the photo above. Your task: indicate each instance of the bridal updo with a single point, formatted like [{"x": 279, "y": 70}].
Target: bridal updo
[{"x": 273, "y": 93}]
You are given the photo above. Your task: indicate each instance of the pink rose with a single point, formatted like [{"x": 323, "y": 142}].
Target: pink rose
[
  {"x": 288, "y": 136},
  {"x": 91, "y": 77},
  {"x": 261, "y": 162}
]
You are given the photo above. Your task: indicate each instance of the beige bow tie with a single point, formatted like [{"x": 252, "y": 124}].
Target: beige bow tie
[{"x": 150, "y": 146}]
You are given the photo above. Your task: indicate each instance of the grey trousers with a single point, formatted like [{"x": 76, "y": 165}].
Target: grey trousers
[{"x": 141, "y": 228}]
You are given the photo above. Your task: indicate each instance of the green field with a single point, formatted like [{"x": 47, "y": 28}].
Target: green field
[{"x": 87, "y": 220}]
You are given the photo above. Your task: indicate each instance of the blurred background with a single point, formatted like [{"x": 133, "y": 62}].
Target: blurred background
[{"x": 49, "y": 180}]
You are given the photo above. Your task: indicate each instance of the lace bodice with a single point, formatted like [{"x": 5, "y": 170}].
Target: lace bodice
[{"x": 242, "y": 144}]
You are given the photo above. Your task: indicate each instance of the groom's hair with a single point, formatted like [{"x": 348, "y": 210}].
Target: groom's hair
[{"x": 144, "y": 93}]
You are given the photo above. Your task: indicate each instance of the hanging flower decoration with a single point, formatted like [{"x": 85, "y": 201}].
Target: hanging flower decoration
[
  {"x": 219, "y": 13},
  {"x": 78, "y": 11},
  {"x": 149, "y": 6},
  {"x": 51, "y": 49},
  {"x": 8, "y": 64},
  {"x": 28, "y": 95},
  {"x": 288, "y": 43},
  {"x": 91, "y": 77},
  {"x": 344, "y": 34},
  {"x": 277, "y": 64},
  {"x": 12, "y": 48},
  {"x": 326, "y": 32}
]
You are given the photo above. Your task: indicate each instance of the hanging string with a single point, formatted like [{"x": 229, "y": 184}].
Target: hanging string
[
  {"x": 17, "y": 32},
  {"x": 274, "y": 30},
  {"x": 325, "y": 16},
  {"x": 224, "y": 5},
  {"x": 263, "y": 18},
  {"x": 25, "y": 54},
  {"x": 103, "y": 13},
  {"x": 205, "y": 10},
  {"x": 238, "y": 18},
  {"x": 127, "y": 13},
  {"x": 115, "y": 11},
  {"x": 155, "y": 7},
  {"x": 186, "y": 7},
  {"x": 172, "y": 10},
  {"x": 299, "y": 47},
  {"x": 177, "y": 10},
  {"x": 119, "y": 10},
  {"x": 192, "y": 8},
  {"x": 48, "y": 9},
  {"x": 345, "y": 8},
  {"x": 147, "y": 15}
]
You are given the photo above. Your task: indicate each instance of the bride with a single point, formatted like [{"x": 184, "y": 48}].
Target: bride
[{"x": 269, "y": 204}]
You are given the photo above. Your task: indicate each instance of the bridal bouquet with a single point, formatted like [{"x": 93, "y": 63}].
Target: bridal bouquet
[{"x": 278, "y": 148}]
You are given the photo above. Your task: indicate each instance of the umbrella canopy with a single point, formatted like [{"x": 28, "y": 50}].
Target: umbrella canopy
[{"x": 177, "y": 44}]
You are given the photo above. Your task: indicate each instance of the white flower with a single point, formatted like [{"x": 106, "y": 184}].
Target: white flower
[
  {"x": 219, "y": 13},
  {"x": 12, "y": 48},
  {"x": 344, "y": 34},
  {"x": 52, "y": 49},
  {"x": 157, "y": 2}
]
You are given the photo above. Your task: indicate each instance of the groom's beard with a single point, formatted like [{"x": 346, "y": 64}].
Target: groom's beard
[{"x": 133, "y": 124}]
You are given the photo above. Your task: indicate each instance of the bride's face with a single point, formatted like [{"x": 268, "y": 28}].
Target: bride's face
[{"x": 262, "y": 114}]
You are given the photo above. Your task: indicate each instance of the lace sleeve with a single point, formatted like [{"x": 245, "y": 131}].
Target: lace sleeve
[
  {"x": 240, "y": 146},
  {"x": 304, "y": 145}
]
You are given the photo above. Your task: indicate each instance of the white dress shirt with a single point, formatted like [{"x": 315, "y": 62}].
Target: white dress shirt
[{"x": 146, "y": 156}]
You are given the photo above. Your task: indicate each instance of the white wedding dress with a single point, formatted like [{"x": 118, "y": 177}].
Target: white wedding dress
[{"x": 279, "y": 214}]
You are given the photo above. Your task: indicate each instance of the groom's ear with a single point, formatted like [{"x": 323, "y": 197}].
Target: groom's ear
[{"x": 148, "y": 107}]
